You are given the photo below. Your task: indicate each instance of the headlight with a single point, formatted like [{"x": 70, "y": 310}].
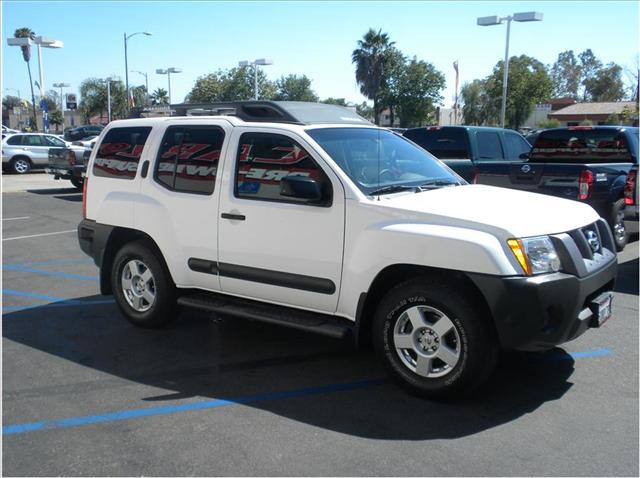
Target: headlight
[{"x": 536, "y": 255}]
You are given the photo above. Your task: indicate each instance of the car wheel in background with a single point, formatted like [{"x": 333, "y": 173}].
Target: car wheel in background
[{"x": 20, "y": 165}]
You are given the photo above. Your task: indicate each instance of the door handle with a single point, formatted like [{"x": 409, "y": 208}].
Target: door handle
[{"x": 233, "y": 217}]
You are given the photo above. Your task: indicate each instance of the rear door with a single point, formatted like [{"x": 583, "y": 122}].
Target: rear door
[
  {"x": 37, "y": 148},
  {"x": 450, "y": 145}
]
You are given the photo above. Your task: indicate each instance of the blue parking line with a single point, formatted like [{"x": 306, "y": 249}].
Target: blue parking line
[
  {"x": 591, "y": 353},
  {"x": 31, "y": 295},
  {"x": 64, "y": 303},
  {"x": 42, "y": 272},
  {"x": 171, "y": 409},
  {"x": 55, "y": 262}
]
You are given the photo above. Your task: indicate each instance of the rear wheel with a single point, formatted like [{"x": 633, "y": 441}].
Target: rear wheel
[
  {"x": 434, "y": 339},
  {"x": 20, "y": 165},
  {"x": 142, "y": 287},
  {"x": 77, "y": 182},
  {"x": 616, "y": 221}
]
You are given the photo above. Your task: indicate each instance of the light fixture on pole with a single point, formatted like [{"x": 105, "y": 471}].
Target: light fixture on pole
[
  {"x": 146, "y": 84},
  {"x": 261, "y": 62},
  {"x": 61, "y": 86},
  {"x": 14, "y": 89},
  {"x": 497, "y": 20},
  {"x": 126, "y": 62},
  {"x": 168, "y": 71},
  {"x": 109, "y": 80}
]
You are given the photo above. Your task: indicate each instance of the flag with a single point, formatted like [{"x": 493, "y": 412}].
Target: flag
[{"x": 455, "y": 66}]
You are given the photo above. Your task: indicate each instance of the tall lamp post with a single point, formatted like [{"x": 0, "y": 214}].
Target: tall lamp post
[
  {"x": 168, "y": 71},
  {"x": 146, "y": 84},
  {"x": 61, "y": 86},
  {"x": 109, "y": 80},
  {"x": 255, "y": 63},
  {"x": 126, "y": 62},
  {"x": 497, "y": 20}
]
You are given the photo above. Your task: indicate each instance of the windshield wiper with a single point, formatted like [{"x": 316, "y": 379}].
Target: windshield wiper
[
  {"x": 394, "y": 188},
  {"x": 437, "y": 183}
]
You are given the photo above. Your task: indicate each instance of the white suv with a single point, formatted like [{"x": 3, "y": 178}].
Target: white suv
[{"x": 306, "y": 215}]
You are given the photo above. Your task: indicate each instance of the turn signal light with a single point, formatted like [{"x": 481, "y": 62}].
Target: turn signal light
[{"x": 518, "y": 250}]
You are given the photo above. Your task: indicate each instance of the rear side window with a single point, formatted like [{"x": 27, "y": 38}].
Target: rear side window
[
  {"x": 581, "y": 145},
  {"x": 188, "y": 158},
  {"x": 119, "y": 152},
  {"x": 264, "y": 159},
  {"x": 516, "y": 145},
  {"x": 489, "y": 146},
  {"x": 443, "y": 143},
  {"x": 15, "y": 140},
  {"x": 32, "y": 140}
]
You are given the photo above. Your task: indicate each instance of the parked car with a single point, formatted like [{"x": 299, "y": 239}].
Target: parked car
[
  {"x": 631, "y": 196},
  {"x": 25, "y": 151},
  {"x": 88, "y": 142},
  {"x": 6, "y": 130},
  {"x": 69, "y": 163},
  {"x": 463, "y": 148},
  {"x": 307, "y": 215},
  {"x": 584, "y": 163},
  {"x": 81, "y": 132}
]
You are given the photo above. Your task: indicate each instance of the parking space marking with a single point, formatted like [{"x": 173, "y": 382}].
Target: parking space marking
[
  {"x": 62, "y": 303},
  {"x": 31, "y": 295},
  {"x": 171, "y": 409},
  {"x": 15, "y": 218},
  {"x": 64, "y": 275},
  {"x": 216, "y": 403},
  {"x": 38, "y": 235}
]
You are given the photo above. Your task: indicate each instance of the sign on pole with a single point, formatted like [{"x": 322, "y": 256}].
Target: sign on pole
[{"x": 72, "y": 103}]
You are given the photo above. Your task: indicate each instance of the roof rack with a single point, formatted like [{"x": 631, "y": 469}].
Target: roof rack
[{"x": 293, "y": 112}]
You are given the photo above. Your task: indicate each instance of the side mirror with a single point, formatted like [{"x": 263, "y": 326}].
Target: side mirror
[
  {"x": 301, "y": 187},
  {"x": 524, "y": 156}
]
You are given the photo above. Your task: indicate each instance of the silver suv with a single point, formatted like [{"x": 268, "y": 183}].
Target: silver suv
[{"x": 24, "y": 151}]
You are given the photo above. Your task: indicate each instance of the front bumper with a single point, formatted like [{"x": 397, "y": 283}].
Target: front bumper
[{"x": 539, "y": 312}]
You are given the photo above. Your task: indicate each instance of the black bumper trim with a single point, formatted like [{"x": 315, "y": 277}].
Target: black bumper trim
[{"x": 539, "y": 312}]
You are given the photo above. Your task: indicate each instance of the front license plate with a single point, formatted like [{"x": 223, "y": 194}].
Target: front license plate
[{"x": 601, "y": 307}]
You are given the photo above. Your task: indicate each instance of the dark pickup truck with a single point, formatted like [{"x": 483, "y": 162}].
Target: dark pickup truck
[
  {"x": 464, "y": 148},
  {"x": 69, "y": 163},
  {"x": 585, "y": 163}
]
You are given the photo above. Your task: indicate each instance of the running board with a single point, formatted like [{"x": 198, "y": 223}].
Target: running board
[{"x": 274, "y": 314}]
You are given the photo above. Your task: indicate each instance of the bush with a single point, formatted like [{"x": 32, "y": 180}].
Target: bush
[{"x": 549, "y": 123}]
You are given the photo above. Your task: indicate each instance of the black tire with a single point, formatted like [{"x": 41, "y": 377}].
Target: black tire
[
  {"x": 618, "y": 228},
  {"x": 163, "y": 307},
  {"x": 77, "y": 183},
  {"x": 20, "y": 165},
  {"x": 474, "y": 338}
]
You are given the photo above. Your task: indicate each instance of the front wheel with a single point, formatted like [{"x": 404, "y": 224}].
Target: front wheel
[
  {"x": 20, "y": 165},
  {"x": 616, "y": 221},
  {"x": 142, "y": 287},
  {"x": 434, "y": 339},
  {"x": 77, "y": 182}
]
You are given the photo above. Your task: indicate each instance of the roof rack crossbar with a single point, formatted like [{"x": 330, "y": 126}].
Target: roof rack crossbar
[{"x": 255, "y": 111}]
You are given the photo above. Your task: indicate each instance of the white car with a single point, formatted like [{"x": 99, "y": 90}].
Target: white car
[
  {"x": 306, "y": 215},
  {"x": 23, "y": 151},
  {"x": 6, "y": 130}
]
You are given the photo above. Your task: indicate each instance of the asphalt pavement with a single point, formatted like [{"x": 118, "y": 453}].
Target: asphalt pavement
[{"x": 86, "y": 393}]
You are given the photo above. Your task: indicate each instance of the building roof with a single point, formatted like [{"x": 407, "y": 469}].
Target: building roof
[{"x": 603, "y": 108}]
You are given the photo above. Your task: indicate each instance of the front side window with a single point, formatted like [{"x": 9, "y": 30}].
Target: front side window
[
  {"x": 264, "y": 159},
  {"x": 32, "y": 140},
  {"x": 443, "y": 143},
  {"x": 53, "y": 141},
  {"x": 120, "y": 151},
  {"x": 188, "y": 158},
  {"x": 376, "y": 159}
]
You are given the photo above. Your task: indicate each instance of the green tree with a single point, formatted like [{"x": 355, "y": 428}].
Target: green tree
[
  {"x": 372, "y": 57},
  {"x": 566, "y": 75},
  {"x": 56, "y": 118},
  {"x": 417, "y": 89},
  {"x": 294, "y": 88},
  {"x": 366, "y": 111},
  {"x": 9, "y": 102},
  {"x": 478, "y": 108},
  {"x": 93, "y": 99},
  {"x": 605, "y": 84},
  {"x": 236, "y": 84},
  {"x": 26, "y": 55},
  {"x": 335, "y": 101},
  {"x": 160, "y": 97},
  {"x": 139, "y": 94},
  {"x": 589, "y": 65},
  {"x": 528, "y": 84},
  {"x": 629, "y": 114}
]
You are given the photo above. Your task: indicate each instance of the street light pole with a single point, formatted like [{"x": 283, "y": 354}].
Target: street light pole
[
  {"x": 126, "y": 62},
  {"x": 61, "y": 86},
  {"x": 168, "y": 71},
  {"x": 497, "y": 20},
  {"x": 260, "y": 61},
  {"x": 146, "y": 84}
]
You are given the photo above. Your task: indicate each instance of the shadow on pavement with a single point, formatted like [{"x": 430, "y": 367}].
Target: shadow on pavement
[
  {"x": 627, "y": 282},
  {"x": 200, "y": 355},
  {"x": 51, "y": 191}
]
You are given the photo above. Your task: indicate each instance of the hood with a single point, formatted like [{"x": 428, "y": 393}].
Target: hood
[{"x": 514, "y": 213}]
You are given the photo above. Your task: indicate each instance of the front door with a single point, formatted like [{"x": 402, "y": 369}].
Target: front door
[{"x": 275, "y": 247}]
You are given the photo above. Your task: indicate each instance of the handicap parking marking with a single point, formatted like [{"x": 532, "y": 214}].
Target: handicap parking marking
[
  {"x": 43, "y": 272},
  {"x": 32, "y": 295},
  {"x": 221, "y": 402}
]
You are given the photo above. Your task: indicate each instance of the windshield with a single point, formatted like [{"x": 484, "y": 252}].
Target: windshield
[{"x": 380, "y": 161}]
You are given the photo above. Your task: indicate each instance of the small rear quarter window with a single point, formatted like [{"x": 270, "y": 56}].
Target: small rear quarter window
[{"x": 119, "y": 152}]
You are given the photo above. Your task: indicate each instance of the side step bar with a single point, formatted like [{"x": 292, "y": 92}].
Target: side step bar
[{"x": 248, "y": 309}]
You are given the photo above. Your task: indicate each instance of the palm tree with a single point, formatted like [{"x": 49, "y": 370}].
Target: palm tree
[
  {"x": 370, "y": 58},
  {"x": 160, "y": 97},
  {"x": 26, "y": 54}
]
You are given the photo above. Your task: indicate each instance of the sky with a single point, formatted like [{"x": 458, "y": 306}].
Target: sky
[{"x": 301, "y": 37}]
